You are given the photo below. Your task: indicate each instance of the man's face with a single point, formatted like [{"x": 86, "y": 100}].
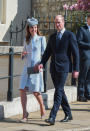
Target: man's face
[
  {"x": 59, "y": 23},
  {"x": 88, "y": 20}
]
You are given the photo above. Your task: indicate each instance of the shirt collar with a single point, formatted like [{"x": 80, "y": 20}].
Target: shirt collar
[
  {"x": 62, "y": 31},
  {"x": 88, "y": 26}
]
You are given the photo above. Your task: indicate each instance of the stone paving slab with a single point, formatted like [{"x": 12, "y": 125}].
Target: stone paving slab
[{"x": 80, "y": 122}]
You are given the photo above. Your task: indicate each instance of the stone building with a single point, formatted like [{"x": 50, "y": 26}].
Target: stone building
[
  {"x": 15, "y": 11},
  {"x": 18, "y": 10}
]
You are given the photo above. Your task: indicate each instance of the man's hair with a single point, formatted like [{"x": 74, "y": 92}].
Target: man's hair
[{"x": 62, "y": 17}]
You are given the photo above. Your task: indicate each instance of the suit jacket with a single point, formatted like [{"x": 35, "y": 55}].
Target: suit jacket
[
  {"x": 61, "y": 60},
  {"x": 83, "y": 39}
]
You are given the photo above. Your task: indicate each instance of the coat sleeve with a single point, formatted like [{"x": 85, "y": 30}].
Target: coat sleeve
[
  {"x": 74, "y": 52},
  {"x": 80, "y": 39},
  {"x": 43, "y": 45},
  {"x": 47, "y": 53},
  {"x": 24, "y": 45},
  {"x": 24, "y": 49}
]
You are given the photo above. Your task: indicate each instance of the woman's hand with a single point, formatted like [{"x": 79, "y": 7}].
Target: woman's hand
[
  {"x": 75, "y": 74},
  {"x": 38, "y": 67},
  {"x": 23, "y": 54}
]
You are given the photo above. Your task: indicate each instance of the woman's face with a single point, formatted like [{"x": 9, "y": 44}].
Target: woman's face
[{"x": 33, "y": 30}]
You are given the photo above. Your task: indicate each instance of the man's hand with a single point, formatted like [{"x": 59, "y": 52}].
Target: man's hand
[
  {"x": 75, "y": 74},
  {"x": 38, "y": 67}
]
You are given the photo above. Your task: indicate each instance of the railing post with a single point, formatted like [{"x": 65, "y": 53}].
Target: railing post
[
  {"x": 65, "y": 17},
  {"x": 31, "y": 8},
  {"x": 22, "y": 33},
  {"x": 11, "y": 29},
  {"x": 10, "y": 74}
]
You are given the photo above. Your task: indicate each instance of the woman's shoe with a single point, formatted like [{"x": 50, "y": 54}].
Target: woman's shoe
[
  {"x": 43, "y": 113},
  {"x": 42, "y": 116},
  {"x": 24, "y": 120}
]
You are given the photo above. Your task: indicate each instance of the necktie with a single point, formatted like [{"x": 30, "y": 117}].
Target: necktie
[
  {"x": 58, "y": 37},
  {"x": 89, "y": 28}
]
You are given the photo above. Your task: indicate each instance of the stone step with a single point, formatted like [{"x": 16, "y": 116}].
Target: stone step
[{"x": 8, "y": 109}]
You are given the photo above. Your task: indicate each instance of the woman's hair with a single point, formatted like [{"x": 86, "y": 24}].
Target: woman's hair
[{"x": 28, "y": 35}]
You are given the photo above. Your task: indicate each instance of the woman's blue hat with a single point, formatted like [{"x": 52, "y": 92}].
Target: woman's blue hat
[{"x": 32, "y": 21}]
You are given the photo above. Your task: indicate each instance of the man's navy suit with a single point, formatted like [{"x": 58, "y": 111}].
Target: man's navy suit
[
  {"x": 83, "y": 39},
  {"x": 61, "y": 63}
]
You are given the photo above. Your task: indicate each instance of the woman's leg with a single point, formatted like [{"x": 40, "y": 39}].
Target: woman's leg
[
  {"x": 24, "y": 102},
  {"x": 40, "y": 101}
]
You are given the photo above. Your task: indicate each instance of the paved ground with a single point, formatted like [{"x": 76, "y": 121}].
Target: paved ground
[{"x": 81, "y": 121}]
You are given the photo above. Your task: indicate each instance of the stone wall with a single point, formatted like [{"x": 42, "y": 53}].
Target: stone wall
[{"x": 49, "y": 7}]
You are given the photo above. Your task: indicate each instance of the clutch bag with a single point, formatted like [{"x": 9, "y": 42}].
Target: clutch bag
[{"x": 30, "y": 70}]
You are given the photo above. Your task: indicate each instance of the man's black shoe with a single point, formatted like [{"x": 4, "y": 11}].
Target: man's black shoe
[
  {"x": 82, "y": 99},
  {"x": 88, "y": 97},
  {"x": 50, "y": 120},
  {"x": 67, "y": 118}
]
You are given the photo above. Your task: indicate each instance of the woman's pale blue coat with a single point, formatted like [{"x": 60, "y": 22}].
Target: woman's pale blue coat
[{"x": 35, "y": 50}]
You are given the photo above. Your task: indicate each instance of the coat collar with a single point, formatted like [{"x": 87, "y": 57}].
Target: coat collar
[
  {"x": 62, "y": 34},
  {"x": 87, "y": 29},
  {"x": 35, "y": 38},
  {"x": 85, "y": 26}
]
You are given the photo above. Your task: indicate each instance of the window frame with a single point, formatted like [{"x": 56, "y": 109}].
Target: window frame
[{"x": 2, "y": 11}]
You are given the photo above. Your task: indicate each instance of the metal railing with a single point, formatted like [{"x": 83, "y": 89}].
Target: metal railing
[
  {"x": 16, "y": 32},
  {"x": 73, "y": 19},
  {"x": 11, "y": 75},
  {"x": 10, "y": 72}
]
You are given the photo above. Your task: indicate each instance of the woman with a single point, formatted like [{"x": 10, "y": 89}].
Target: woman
[{"x": 34, "y": 46}]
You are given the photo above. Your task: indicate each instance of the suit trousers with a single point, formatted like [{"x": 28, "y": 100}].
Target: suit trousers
[
  {"x": 59, "y": 95},
  {"x": 84, "y": 79}
]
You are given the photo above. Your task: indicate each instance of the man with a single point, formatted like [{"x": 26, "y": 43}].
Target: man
[
  {"x": 83, "y": 39},
  {"x": 60, "y": 46}
]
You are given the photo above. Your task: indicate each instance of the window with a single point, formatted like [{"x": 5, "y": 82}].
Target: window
[{"x": 2, "y": 11}]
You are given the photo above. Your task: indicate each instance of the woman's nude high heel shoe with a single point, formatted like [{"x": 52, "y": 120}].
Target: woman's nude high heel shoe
[
  {"x": 43, "y": 113},
  {"x": 42, "y": 116},
  {"x": 24, "y": 120}
]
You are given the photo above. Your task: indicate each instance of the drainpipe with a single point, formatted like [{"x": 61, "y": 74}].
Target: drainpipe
[{"x": 31, "y": 8}]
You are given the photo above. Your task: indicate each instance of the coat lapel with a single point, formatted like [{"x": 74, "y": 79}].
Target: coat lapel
[
  {"x": 54, "y": 41},
  {"x": 87, "y": 32}
]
